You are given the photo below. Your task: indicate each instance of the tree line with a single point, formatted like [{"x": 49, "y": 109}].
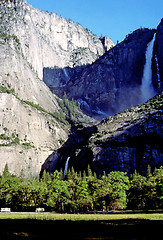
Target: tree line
[{"x": 82, "y": 192}]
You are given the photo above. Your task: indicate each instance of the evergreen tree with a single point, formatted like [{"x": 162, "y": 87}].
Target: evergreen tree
[
  {"x": 9, "y": 185},
  {"x": 82, "y": 191},
  {"x": 83, "y": 197},
  {"x": 150, "y": 192},
  {"x": 45, "y": 177},
  {"x": 161, "y": 197},
  {"x": 119, "y": 183},
  {"x": 136, "y": 192},
  {"x": 58, "y": 195},
  {"x": 6, "y": 172}
]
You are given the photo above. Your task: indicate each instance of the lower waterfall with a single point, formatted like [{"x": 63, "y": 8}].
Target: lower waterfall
[
  {"x": 66, "y": 166},
  {"x": 147, "y": 90}
]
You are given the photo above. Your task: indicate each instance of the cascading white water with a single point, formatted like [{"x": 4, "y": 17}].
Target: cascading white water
[
  {"x": 147, "y": 90},
  {"x": 66, "y": 166},
  {"x": 158, "y": 72}
]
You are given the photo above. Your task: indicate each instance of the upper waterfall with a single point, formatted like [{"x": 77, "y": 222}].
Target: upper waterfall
[{"x": 147, "y": 90}]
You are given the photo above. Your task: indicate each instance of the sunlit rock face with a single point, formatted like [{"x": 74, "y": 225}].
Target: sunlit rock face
[
  {"x": 48, "y": 40},
  {"x": 31, "y": 40}
]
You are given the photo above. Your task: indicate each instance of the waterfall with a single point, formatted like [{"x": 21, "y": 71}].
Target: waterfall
[
  {"x": 147, "y": 90},
  {"x": 66, "y": 166},
  {"x": 158, "y": 72}
]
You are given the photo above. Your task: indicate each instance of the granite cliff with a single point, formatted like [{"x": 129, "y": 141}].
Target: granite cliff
[
  {"x": 31, "y": 125},
  {"x": 47, "y": 40}
]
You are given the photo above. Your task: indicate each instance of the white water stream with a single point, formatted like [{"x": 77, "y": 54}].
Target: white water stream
[
  {"x": 158, "y": 72},
  {"x": 66, "y": 166},
  {"x": 147, "y": 90}
]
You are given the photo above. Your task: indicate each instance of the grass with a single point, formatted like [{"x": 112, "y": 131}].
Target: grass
[
  {"x": 35, "y": 226},
  {"x": 81, "y": 217}
]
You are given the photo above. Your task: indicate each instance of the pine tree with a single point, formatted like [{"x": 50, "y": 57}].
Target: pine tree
[
  {"x": 45, "y": 177},
  {"x": 149, "y": 172},
  {"x": 136, "y": 192},
  {"x": 89, "y": 171},
  {"x": 119, "y": 183},
  {"x": 6, "y": 172},
  {"x": 22, "y": 175},
  {"x": 83, "y": 197}
]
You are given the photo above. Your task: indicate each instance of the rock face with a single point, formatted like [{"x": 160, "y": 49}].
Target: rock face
[
  {"x": 159, "y": 52},
  {"x": 48, "y": 40},
  {"x": 81, "y": 57},
  {"x": 31, "y": 41},
  {"x": 36, "y": 45},
  {"x": 107, "y": 42},
  {"x": 130, "y": 140},
  {"x": 77, "y": 140},
  {"x": 27, "y": 135},
  {"x": 102, "y": 86},
  {"x": 127, "y": 141}
]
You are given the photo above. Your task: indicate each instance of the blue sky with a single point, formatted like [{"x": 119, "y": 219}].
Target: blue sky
[{"x": 113, "y": 18}]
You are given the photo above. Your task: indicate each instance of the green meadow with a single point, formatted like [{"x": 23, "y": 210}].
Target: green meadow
[{"x": 82, "y": 217}]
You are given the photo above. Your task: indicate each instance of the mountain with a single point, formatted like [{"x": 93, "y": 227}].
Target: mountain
[
  {"x": 31, "y": 40},
  {"x": 42, "y": 53},
  {"x": 101, "y": 87},
  {"x": 128, "y": 141},
  {"x": 131, "y": 139}
]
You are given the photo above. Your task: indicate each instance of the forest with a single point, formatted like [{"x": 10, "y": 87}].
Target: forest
[{"x": 82, "y": 192}]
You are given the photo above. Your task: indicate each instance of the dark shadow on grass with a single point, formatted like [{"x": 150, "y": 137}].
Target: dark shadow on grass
[{"x": 112, "y": 230}]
